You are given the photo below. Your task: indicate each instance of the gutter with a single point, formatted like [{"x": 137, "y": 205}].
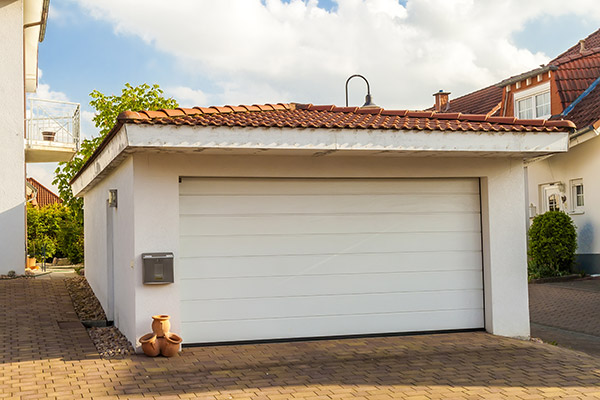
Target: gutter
[
  {"x": 526, "y": 75},
  {"x": 42, "y": 22}
]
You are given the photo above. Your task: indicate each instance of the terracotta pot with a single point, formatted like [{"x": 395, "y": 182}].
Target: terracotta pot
[
  {"x": 150, "y": 345},
  {"x": 170, "y": 345},
  {"x": 161, "y": 325},
  {"x": 48, "y": 136}
]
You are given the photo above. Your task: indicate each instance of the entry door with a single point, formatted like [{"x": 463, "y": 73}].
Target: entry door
[{"x": 289, "y": 258}]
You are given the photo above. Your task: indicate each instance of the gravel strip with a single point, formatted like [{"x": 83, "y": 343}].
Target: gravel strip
[
  {"x": 109, "y": 341},
  {"x": 86, "y": 304}
]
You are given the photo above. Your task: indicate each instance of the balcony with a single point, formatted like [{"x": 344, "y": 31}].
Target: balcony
[{"x": 52, "y": 133}]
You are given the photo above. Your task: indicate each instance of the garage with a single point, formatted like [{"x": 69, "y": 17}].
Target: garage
[
  {"x": 288, "y": 221},
  {"x": 290, "y": 258}
]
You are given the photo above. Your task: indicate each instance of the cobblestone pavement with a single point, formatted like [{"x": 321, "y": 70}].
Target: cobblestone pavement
[
  {"x": 567, "y": 313},
  {"x": 570, "y": 305},
  {"x": 44, "y": 352}
]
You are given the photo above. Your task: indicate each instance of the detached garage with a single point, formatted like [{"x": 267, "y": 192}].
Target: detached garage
[{"x": 297, "y": 221}]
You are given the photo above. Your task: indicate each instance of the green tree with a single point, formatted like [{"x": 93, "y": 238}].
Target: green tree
[
  {"x": 43, "y": 228},
  {"x": 108, "y": 108}
]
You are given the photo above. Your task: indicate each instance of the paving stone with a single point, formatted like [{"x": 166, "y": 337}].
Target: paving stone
[{"x": 45, "y": 359}]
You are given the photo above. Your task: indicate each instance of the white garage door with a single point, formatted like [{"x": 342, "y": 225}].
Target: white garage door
[{"x": 288, "y": 258}]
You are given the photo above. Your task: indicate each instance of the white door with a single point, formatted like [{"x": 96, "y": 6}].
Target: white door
[{"x": 289, "y": 258}]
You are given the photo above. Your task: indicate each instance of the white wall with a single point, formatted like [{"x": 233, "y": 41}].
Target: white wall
[
  {"x": 12, "y": 156},
  {"x": 148, "y": 210},
  {"x": 583, "y": 162},
  {"x": 157, "y": 217},
  {"x": 96, "y": 215}
]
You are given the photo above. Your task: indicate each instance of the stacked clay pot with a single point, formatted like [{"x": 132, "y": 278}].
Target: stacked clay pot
[{"x": 161, "y": 341}]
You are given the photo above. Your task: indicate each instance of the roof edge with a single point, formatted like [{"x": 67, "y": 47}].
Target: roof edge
[{"x": 528, "y": 74}]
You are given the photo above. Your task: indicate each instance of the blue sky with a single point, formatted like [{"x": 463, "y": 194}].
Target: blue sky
[{"x": 214, "y": 52}]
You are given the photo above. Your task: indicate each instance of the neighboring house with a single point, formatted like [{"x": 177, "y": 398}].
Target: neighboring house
[
  {"x": 39, "y": 195},
  {"x": 46, "y": 139},
  {"x": 294, "y": 220},
  {"x": 565, "y": 89}
]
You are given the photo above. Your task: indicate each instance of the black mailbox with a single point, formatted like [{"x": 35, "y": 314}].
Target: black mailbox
[{"x": 157, "y": 268}]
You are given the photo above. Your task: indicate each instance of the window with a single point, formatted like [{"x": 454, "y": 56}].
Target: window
[
  {"x": 537, "y": 106},
  {"x": 533, "y": 103},
  {"x": 577, "y": 199},
  {"x": 552, "y": 198}
]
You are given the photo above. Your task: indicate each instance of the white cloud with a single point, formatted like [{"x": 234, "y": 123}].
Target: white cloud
[
  {"x": 274, "y": 50},
  {"x": 187, "y": 97}
]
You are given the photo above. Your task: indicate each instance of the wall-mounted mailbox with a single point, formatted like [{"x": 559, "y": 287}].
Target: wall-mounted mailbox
[{"x": 157, "y": 268}]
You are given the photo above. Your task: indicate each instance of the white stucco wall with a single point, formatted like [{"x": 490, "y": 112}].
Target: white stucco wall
[
  {"x": 581, "y": 162},
  {"x": 12, "y": 156},
  {"x": 97, "y": 236},
  {"x": 156, "y": 222}
]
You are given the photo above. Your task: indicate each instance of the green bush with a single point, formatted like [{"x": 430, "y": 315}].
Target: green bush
[
  {"x": 54, "y": 230},
  {"x": 552, "y": 245}
]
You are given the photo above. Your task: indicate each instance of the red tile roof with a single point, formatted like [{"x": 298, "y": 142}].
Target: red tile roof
[
  {"x": 574, "y": 72},
  {"x": 44, "y": 195},
  {"x": 481, "y": 101},
  {"x": 328, "y": 116},
  {"x": 590, "y": 43}
]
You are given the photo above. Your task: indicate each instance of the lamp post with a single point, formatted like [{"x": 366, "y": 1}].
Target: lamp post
[{"x": 368, "y": 98}]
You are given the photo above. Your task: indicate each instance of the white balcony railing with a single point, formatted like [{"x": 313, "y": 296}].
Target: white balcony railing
[{"x": 53, "y": 129}]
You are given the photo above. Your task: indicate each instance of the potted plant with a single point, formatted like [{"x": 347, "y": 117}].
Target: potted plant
[{"x": 48, "y": 135}]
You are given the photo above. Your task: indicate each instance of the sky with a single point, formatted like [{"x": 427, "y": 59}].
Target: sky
[{"x": 217, "y": 52}]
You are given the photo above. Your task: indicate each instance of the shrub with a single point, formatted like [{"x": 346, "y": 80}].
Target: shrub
[{"x": 552, "y": 245}]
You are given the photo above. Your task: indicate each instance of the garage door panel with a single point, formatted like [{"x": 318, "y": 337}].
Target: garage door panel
[
  {"x": 296, "y": 307},
  {"x": 245, "y": 186},
  {"x": 223, "y": 331},
  {"x": 328, "y": 204},
  {"x": 195, "y": 225},
  {"x": 314, "y": 285},
  {"x": 256, "y": 245},
  {"x": 230, "y": 267},
  {"x": 277, "y": 258}
]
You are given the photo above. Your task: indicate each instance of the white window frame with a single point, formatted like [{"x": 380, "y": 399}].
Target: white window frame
[
  {"x": 551, "y": 189},
  {"x": 531, "y": 93},
  {"x": 574, "y": 184}
]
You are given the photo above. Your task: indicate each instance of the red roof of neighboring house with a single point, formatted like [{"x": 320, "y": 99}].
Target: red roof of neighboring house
[
  {"x": 328, "y": 116},
  {"x": 44, "y": 195},
  {"x": 481, "y": 101},
  {"x": 574, "y": 71},
  {"x": 590, "y": 42}
]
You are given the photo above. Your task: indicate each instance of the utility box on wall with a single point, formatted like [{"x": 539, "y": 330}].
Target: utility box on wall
[{"x": 157, "y": 268}]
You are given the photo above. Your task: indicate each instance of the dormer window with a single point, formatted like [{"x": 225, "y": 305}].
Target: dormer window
[{"x": 533, "y": 103}]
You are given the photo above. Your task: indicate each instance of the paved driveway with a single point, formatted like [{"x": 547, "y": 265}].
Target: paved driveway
[
  {"x": 44, "y": 352},
  {"x": 567, "y": 313}
]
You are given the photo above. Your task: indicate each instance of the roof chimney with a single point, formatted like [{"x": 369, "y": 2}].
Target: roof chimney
[
  {"x": 441, "y": 101},
  {"x": 582, "y": 45}
]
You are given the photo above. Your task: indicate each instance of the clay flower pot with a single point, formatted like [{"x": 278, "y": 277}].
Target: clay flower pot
[
  {"x": 150, "y": 345},
  {"x": 170, "y": 346},
  {"x": 161, "y": 325}
]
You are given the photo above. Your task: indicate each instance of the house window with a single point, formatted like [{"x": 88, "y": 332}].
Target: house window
[
  {"x": 552, "y": 197},
  {"x": 536, "y": 106},
  {"x": 533, "y": 103},
  {"x": 577, "y": 199}
]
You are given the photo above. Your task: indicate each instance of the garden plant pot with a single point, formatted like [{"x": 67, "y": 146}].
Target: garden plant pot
[
  {"x": 170, "y": 345},
  {"x": 150, "y": 345},
  {"x": 161, "y": 325},
  {"x": 48, "y": 136},
  {"x": 31, "y": 262}
]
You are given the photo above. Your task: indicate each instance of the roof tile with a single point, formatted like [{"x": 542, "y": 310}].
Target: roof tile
[{"x": 310, "y": 116}]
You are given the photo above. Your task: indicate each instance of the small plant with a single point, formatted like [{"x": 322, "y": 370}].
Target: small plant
[
  {"x": 552, "y": 245},
  {"x": 12, "y": 274}
]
